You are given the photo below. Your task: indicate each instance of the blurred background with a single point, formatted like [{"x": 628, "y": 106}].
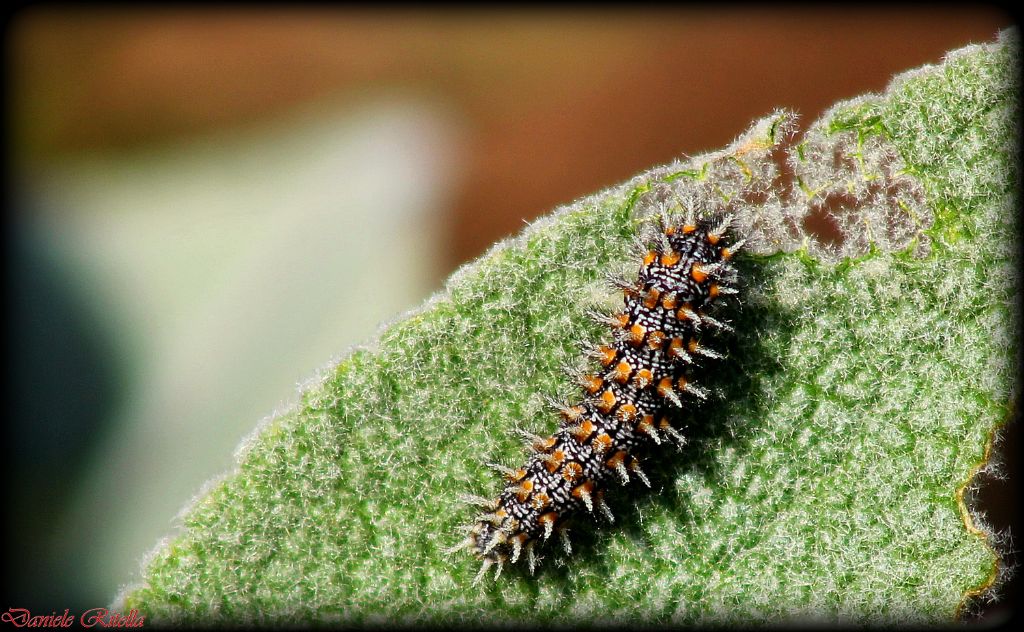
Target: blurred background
[{"x": 208, "y": 205}]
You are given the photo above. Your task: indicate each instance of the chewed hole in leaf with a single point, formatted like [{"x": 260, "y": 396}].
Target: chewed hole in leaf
[
  {"x": 835, "y": 193},
  {"x": 821, "y": 225}
]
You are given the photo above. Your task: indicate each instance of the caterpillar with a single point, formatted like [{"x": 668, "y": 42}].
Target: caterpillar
[{"x": 628, "y": 406}]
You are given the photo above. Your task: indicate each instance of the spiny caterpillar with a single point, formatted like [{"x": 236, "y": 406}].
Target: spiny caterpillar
[{"x": 645, "y": 373}]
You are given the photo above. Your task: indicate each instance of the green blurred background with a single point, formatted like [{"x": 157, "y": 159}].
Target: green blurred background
[{"x": 210, "y": 204}]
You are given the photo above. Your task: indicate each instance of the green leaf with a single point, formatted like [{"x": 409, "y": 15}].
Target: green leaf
[{"x": 865, "y": 381}]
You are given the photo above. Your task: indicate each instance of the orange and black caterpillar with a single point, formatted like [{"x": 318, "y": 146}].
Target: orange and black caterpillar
[{"x": 645, "y": 373}]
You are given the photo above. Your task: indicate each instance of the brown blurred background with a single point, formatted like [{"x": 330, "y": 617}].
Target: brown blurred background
[
  {"x": 536, "y": 108},
  {"x": 554, "y": 104}
]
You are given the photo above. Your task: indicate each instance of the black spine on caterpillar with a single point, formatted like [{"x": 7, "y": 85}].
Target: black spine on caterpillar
[{"x": 644, "y": 373}]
